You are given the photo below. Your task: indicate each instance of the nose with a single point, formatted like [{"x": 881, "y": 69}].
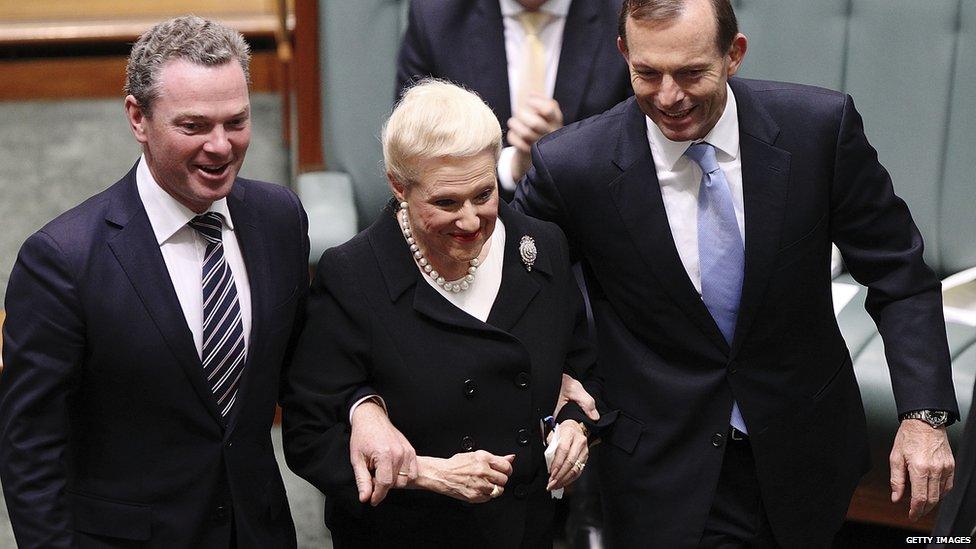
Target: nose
[
  {"x": 217, "y": 142},
  {"x": 468, "y": 218},
  {"x": 670, "y": 93}
]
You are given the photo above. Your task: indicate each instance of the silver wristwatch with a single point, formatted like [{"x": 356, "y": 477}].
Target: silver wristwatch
[{"x": 935, "y": 418}]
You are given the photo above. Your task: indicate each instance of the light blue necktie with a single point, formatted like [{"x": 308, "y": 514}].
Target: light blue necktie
[{"x": 720, "y": 251}]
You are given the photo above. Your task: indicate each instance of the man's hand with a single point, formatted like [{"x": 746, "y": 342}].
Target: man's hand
[
  {"x": 540, "y": 115},
  {"x": 924, "y": 452},
  {"x": 376, "y": 446},
  {"x": 572, "y": 390}
]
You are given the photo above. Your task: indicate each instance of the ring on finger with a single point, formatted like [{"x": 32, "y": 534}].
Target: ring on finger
[
  {"x": 403, "y": 473},
  {"x": 495, "y": 491},
  {"x": 579, "y": 465}
]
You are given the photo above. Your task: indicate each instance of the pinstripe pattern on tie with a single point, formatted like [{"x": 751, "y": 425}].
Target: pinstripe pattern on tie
[{"x": 224, "y": 349}]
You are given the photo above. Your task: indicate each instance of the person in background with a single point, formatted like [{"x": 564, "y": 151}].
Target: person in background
[
  {"x": 538, "y": 64},
  {"x": 146, "y": 327}
]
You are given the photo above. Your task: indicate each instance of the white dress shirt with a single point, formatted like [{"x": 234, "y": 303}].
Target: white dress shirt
[
  {"x": 680, "y": 178},
  {"x": 183, "y": 251},
  {"x": 551, "y": 37}
]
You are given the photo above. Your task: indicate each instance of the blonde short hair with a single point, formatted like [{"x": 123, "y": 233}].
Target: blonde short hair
[{"x": 437, "y": 119}]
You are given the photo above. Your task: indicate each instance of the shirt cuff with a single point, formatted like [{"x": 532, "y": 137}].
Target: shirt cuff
[
  {"x": 375, "y": 398},
  {"x": 505, "y": 162}
]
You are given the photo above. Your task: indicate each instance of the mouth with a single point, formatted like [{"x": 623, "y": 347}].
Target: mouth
[
  {"x": 677, "y": 115},
  {"x": 466, "y": 237},
  {"x": 212, "y": 171}
]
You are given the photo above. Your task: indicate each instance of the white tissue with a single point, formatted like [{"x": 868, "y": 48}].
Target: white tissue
[{"x": 550, "y": 454}]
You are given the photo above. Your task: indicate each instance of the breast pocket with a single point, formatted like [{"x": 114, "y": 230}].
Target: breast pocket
[{"x": 803, "y": 246}]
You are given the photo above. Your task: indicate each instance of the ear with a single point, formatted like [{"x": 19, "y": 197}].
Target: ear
[
  {"x": 396, "y": 187},
  {"x": 137, "y": 119},
  {"x": 737, "y": 53},
  {"x": 622, "y": 48}
]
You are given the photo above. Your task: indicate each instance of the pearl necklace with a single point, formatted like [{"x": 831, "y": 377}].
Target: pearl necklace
[{"x": 455, "y": 286}]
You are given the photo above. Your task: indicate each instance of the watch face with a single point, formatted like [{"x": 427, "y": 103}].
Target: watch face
[{"x": 937, "y": 417}]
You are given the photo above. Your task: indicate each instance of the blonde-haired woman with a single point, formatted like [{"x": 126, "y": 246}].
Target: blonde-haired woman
[{"x": 462, "y": 315}]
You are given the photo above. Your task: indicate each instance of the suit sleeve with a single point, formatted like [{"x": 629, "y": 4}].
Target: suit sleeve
[
  {"x": 537, "y": 195},
  {"x": 331, "y": 364},
  {"x": 882, "y": 247},
  {"x": 413, "y": 60},
  {"x": 44, "y": 345}
]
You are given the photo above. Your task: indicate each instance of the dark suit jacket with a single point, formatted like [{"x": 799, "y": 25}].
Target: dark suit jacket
[
  {"x": 464, "y": 41},
  {"x": 109, "y": 436},
  {"x": 451, "y": 383},
  {"x": 810, "y": 177}
]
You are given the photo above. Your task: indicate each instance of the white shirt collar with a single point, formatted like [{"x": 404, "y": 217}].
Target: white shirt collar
[
  {"x": 166, "y": 215},
  {"x": 724, "y": 136},
  {"x": 558, "y": 8}
]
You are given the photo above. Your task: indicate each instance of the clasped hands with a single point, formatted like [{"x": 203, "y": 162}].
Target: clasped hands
[{"x": 382, "y": 458}]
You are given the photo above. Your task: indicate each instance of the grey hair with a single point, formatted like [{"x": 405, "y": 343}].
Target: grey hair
[
  {"x": 437, "y": 119},
  {"x": 189, "y": 38}
]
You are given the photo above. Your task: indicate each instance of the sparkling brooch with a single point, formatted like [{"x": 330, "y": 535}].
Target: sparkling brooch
[{"x": 528, "y": 251}]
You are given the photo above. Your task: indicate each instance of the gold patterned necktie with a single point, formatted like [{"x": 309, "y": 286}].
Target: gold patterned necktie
[{"x": 532, "y": 73}]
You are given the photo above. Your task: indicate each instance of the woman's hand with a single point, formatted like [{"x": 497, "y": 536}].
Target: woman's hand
[
  {"x": 571, "y": 455},
  {"x": 474, "y": 477}
]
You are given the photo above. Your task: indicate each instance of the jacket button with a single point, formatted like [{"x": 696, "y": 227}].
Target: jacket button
[
  {"x": 523, "y": 437},
  {"x": 521, "y": 491},
  {"x": 219, "y": 513},
  {"x": 469, "y": 388},
  {"x": 718, "y": 439},
  {"x": 733, "y": 367},
  {"x": 467, "y": 444},
  {"x": 522, "y": 380}
]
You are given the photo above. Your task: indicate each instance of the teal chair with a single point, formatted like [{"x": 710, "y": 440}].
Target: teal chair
[{"x": 358, "y": 43}]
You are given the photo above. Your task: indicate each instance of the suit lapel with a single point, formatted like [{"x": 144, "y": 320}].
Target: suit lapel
[
  {"x": 136, "y": 250},
  {"x": 765, "y": 182},
  {"x": 637, "y": 195},
  {"x": 488, "y": 61},
  {"x": 580, "y": 44},
  {"x": 519, "y": 285},
  {"x": 251, "y": 237}
]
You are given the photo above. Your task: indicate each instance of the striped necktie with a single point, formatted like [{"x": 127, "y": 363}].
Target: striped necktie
[
  {"x": 224, "y": 349},
  {"x": 720, "y": 250}
]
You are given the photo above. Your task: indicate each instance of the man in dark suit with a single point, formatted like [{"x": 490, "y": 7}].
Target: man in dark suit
[
  {"x": 146, "y": 327},
  {"x": 704, "y": 209},
  {"x": 487, "y": 46}
]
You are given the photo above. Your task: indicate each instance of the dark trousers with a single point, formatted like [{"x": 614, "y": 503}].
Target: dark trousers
[{"x": 737, "y": 517}]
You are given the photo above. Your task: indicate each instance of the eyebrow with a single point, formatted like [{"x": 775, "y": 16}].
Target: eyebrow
[{"x": 246, "y": 111}]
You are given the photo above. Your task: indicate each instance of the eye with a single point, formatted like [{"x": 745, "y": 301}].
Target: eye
[
  {"x": 190, "y": 126},
  {"x": 444, "y": 203},
  {"x": 238, "y": 122},
  {"x": 484, "y": 196}
]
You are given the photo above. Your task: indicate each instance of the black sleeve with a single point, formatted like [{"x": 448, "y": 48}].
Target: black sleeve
[
  {"x": 882, "y": 247},
  {"x": 43, "y": 349}
]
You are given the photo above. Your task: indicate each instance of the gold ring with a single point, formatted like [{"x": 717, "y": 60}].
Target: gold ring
[
  {"x": 579, "y": 465},
  {"x": 402, "y": 474},
  {"x": 495, "y": 491}
]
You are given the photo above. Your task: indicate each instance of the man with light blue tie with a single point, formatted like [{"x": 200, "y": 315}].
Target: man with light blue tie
[{"x": 703, "y": 210}]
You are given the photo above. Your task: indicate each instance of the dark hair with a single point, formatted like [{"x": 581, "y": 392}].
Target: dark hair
[{"x": 667, "y": 10}]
